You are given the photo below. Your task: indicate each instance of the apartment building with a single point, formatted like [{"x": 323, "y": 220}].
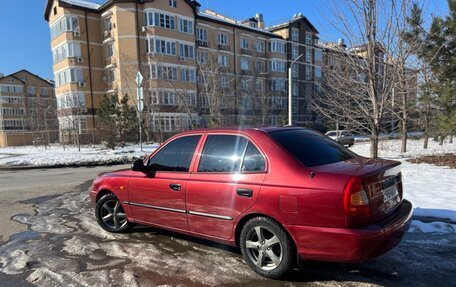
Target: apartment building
[
  {"x": 27, "y": 109},
  {"x": 301, "y": 43},
  {"x": 200, "y": 68}
]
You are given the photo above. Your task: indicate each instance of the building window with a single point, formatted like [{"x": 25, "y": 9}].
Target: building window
[
  {"x": 244, "y": 43},
  {"x": 112, "y": 75},
  {"x": 160, "y": 46},
  {"x": 202, "y": 57},
  {"x": 245, "y": 85},
  {"x": 260, "y": 66},
  {"x": 295, "y": 34},
  {"x": 308, "y": 55},
  {"x": 259, "y": 46},
  {"x": 201, "y": 34},
  {"x": 223, "y": 60},
  {"x": 295, "y": 71},
  {"x": 72, "y": 75},
  {"x": 55, "y": 11},
  {"x": 222, "y": 38},
  {"x": 223, "y": 81},
  {"x": 277, "y": 46},
  {"x": 245, "y": 64},
  {"x": 318, "y": 55},
  {"x": 160, "y": 20},
  {"x": 294, "y": 52},
  {"x": 71, "y": 100},
  {"x": 246, "y": 103},
  {"x": 308, "y": 38},
  {"x": 173, "y": 3},
  {"x": 295, "y": 89},
  {"x": 66, "y": 24},
  {"x": 317, "y": 72},
  {"x": 259, "y": 85},
  {"x": 188, "y": 75},
  {"x": 108, "y": 24},
  {"x": 277, "y": 66},
  {"x": 66, "y": 50},
  {"x": 186, "y": 51},
  {"x": 308, "y": 72},
  {"x": 109, "y": 50},
  {"x": 185, "y": 26},
  {"x": 203, "y": 101},
  {"x": 277, "y": 84},
  {"x": 163, "y": 72}
]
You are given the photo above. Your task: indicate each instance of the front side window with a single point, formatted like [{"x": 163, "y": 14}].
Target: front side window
[
  {"x": 222, "y": 153},
  {"x": 311, "y": 148},
  {"x": 176, "y": 155}
]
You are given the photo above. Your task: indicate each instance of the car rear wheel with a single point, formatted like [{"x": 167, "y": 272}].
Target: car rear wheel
[
  {"x": 111, "y": 215},
  {"x": 266, "y": 247}
]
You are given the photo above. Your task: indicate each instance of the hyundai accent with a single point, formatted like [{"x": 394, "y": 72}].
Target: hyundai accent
[{"x": 278, "y": 194}]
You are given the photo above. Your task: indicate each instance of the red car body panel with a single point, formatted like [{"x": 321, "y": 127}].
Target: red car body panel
[{"x": 307, "y": 202}]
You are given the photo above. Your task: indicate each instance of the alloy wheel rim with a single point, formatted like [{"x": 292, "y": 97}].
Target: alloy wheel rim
[
  {"x": 113, "y": 215},
  {"x": 264, "y": 248}
]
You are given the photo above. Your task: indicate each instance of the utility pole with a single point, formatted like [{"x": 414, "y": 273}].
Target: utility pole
[
  {"x": 140, "y": 106},
  {"x": 290, "y": 100}
]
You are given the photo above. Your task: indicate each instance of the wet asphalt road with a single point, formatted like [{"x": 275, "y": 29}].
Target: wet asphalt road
[{"x": 52, "y": 239}]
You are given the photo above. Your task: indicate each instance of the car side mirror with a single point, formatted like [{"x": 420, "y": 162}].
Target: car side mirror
[{"x": 138, "y": 165}]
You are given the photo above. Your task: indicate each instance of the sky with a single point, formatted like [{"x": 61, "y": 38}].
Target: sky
[{"x": 25, "y": 38}]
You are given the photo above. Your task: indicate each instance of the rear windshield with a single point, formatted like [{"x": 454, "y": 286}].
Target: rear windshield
[{"x": 312, "y": 148}]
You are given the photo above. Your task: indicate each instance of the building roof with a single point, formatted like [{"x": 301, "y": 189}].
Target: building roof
[
  {"x": 97, "y": 8},
  {"x": 293, "y": 20},
  {"x": 235, "y": 24},
  {"x": 50, "y": 83}
]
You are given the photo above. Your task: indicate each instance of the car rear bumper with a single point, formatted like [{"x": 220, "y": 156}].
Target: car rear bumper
[{"x": 352, "y": 244}]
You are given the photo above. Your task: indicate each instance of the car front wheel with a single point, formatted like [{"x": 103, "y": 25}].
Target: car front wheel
[
  {"x": 110, "y": 214},
  {"x": 266, "y": 247}
]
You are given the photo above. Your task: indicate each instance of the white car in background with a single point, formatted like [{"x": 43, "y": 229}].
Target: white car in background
[{"x": 344, "y": 137}]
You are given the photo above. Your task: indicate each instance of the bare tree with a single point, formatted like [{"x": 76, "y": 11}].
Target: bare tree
[
  {"x": 215, "y": 86},
  {"x": 358, "y": 82}
]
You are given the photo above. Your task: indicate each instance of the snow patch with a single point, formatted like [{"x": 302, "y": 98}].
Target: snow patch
[{"x": 432, "y": 227}]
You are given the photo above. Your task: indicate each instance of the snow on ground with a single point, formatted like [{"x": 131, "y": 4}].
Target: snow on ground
[
  {"x": 430, "y": 188},
  {"x": 55, "y": 155}
]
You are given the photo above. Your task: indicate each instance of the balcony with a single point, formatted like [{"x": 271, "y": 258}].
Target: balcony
[
  {"x": 110, "y": 63},
  {"x": 246, "y": 51},
  {"x": 246, "y": 72},
  {"x": 202, "y": 43},
  {"x": 224, "y": 47}
]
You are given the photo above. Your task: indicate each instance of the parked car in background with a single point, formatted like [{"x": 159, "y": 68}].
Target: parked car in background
[
  {"x": 277, "y": 193},
  {"x": 343, "y": 137}
]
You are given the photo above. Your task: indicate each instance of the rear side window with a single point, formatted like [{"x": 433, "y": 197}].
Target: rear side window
[
  {"x": 311, "y": 148},
  {"x": 176, "y": 155},
  {"x": 222, "y": 153},
  {"x": 253, "y": 160}
]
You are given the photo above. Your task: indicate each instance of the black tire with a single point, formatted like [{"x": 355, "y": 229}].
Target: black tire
[
  {"x": 251, "y": 254},
  {"x": 118, "y": 221}
]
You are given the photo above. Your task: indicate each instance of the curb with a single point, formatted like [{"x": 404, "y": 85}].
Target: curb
[{"x": 87, "y": 164}]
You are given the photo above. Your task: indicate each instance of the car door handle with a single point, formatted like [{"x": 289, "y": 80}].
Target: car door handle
[
  {"x": 175, "y": 186},
  {"x": 246, "y": 192}
]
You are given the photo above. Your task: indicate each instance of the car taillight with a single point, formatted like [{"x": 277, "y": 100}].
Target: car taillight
[{"x": 356, "y": 201}]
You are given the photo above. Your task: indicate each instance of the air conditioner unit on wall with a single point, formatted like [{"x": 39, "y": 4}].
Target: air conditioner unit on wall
[
  {"x": 81, "y": 84},
  {"x": 76, "y": 33},
  {"x": 80, "y": 60}
]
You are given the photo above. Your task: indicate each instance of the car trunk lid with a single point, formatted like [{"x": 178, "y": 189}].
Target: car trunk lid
[{"x": 381, "y": 179}]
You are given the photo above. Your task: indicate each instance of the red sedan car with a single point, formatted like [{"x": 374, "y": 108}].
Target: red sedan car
[{"x": 274, "y": 192}]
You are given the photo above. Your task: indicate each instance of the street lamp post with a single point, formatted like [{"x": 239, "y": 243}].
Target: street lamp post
[{"x": 290, "y": 101}]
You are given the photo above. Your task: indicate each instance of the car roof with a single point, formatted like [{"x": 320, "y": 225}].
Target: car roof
[{"x": 246, "y": 130}]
